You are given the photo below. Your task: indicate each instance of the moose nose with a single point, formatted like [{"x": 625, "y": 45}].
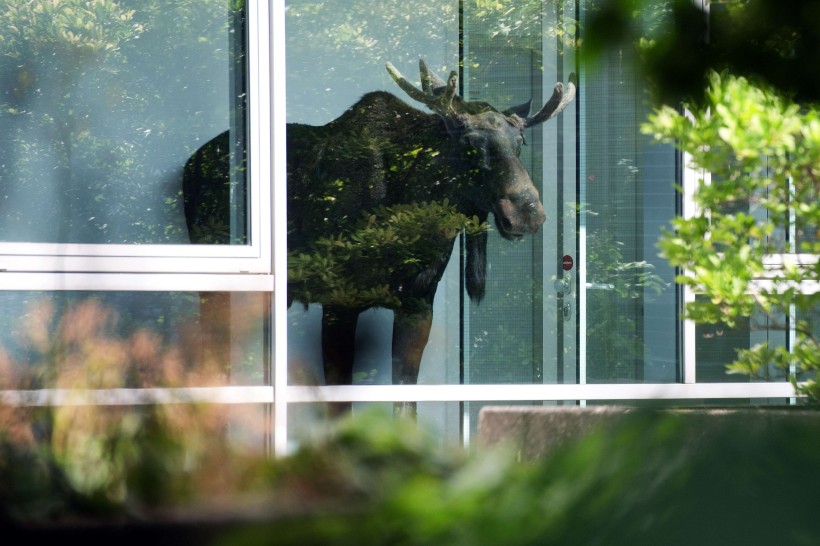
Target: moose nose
[
  {"x": 538, "y": 215},
  {"x": 516, "y": 219}
]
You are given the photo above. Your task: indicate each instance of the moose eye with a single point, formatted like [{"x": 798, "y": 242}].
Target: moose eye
[{"x": 520, "y": 142}]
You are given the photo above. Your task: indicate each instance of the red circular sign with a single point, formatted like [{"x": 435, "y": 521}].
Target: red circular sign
[{"x": 567, "y": 262}]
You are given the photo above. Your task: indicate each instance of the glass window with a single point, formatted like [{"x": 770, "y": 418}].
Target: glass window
[
  {"x": 626, "y": 200},
  {"x": 576, "y": 294},
  {"x": 717, "y": 345},
  {"x": 807, "y": 330},
  {"x": 123, "y": 122},
  {"x": 341, "y": 261},
  {"x": 440, "y": 229},
  {"x": 106, "y": 340}
]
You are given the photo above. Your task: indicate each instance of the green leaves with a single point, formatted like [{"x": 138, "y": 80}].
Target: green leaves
[
  {"x": 403, "y": 240},
  {"x": 76, "y": 27},
  {"x": 761, "y": 200}
]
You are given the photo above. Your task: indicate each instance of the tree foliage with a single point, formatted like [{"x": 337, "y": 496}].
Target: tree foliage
[
  {"x": 348, "y": 268},
  {"x": 752, "y": 244},
  {"x": 101, "y": 101}
]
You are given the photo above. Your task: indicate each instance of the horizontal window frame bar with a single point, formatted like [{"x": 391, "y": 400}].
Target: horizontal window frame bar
[
  {"x": 180, "y": 263},
  {"x": 396, "y": 393},
  {"x": 806, "y": 287},
  {"x": 136, "y": 282},
  {"x": 122, "y": 250},
  {"x": 138, "y": 397},
  {"x": 779, "y": 261},
  {"x": 507, "y": 392}
]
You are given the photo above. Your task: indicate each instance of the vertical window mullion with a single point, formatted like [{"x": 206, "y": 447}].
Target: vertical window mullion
[
  {"x": 691, "y": 179},
  {"x": 278, "y": 165}
]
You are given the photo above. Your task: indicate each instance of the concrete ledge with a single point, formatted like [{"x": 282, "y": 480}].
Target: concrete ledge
[{"x": 535, "y": 431}]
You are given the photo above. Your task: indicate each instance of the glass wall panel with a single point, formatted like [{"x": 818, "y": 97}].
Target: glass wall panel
[
  {"x": 807, "y": 332},
  {"x": 104, "y": 340},
  {"x": 371, "y": 223},
  {"x": 717, "y": 345},
  {"x": 506, "y": 57},
  {"x": 175, "y": 452},
  {"x": 626, "y": 198},
  {"x": 592, "y": 275},
  {"x": 123, "y": 122},
  {"x": 441, "y": 420},
  {"x": 578, "y": 294}
]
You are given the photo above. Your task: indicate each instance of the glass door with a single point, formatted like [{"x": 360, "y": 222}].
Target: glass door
[
  {"x": 627, "y": 296},
  {"x": 524, "y": 331},
  {"x": 586, "y": 299}
]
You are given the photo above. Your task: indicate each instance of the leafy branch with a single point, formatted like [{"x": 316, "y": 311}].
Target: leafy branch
[{"x": 763, "y": 153}]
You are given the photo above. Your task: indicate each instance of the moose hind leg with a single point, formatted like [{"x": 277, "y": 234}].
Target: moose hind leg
[
  {"x": 410, "y": 335},
  {"x": 338, "y": 346}
]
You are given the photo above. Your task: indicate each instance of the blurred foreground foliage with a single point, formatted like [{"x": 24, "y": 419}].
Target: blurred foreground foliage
[
  {"x": 655, "y": 478},
  {"x": 681, "y": 42}
]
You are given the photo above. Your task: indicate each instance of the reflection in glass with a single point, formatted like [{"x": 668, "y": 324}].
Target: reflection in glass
[
  {"x": 378, "y": 195},
  {"x": 336, "y": 53},
  {"x": 106, "y": 340},
  {"x": 521, "y": 332},
  {"x": 505, "y": 57},
  {"x": 101, "y": 110},
  {"x": 806, "y": 342},
  {"x": 717, "y": 345},
  {"x": 307, "y": 422},
  {"x": 62, "y": 462},
  {"x": 627, "y": 198}
]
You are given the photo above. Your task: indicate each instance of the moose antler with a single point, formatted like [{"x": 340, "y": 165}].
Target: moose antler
[
  {"x": 435, "y": 93},
  {"x": 559, "y": 100},
  {"x": 431, "y": 84},
  {"x": 441, "y": 96}
]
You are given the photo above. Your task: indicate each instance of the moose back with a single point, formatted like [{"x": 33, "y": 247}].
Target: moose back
[{"x": 376, "y": 199}]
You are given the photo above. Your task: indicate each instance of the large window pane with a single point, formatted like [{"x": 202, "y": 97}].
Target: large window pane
[
  {"x": 336, "y": 53},
  {"x": 106, "y": 340},
  {"x": 582, "y": 298},
  {"x": 104, "y": 106},
  {"x": 627, "y": 198},
  {"x": 504, "y": 67}
]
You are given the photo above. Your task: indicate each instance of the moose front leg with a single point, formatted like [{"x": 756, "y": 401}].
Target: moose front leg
[
  {"x": 338, "y": 347},
  {"x": 410, "y": 334}
]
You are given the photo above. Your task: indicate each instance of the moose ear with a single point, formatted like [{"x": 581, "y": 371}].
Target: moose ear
[{"x": 522, "y": 110}]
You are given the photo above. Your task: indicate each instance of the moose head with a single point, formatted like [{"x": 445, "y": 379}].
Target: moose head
[{"x": 493, "y": 141}]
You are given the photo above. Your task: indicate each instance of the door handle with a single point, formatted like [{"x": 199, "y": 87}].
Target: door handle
[{"x": 563, "y": 285}]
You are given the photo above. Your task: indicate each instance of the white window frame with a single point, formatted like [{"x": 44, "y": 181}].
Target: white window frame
[
  {"x": 253, "y": 258},
  {"x": 171, "y": 268}
]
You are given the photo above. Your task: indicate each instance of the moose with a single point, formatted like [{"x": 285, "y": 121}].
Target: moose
[{"x": 353, "y": 173}]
